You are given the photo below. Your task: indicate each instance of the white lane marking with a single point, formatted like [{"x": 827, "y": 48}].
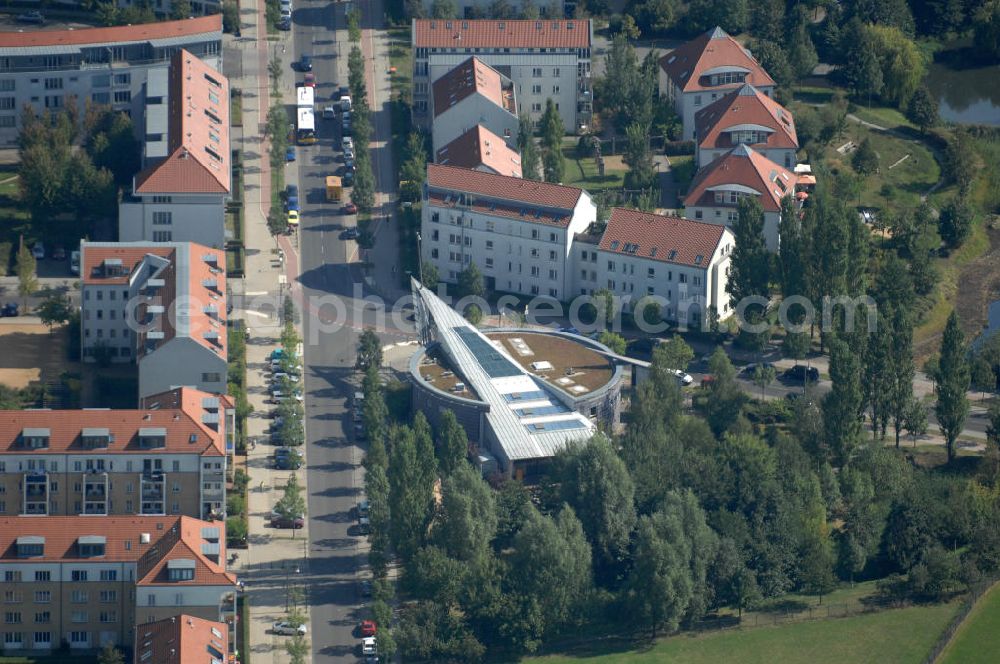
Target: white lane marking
[
  {"x": 256, "y": 313},
  {"x": 259, "y": 292}
]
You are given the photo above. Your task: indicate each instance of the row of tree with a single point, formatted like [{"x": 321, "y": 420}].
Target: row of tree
[{"x": 363, "y": 193}]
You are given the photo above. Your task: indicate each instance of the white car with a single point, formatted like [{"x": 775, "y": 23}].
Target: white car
[
  {"x": 368, "y": 645},
  {"x": 682, "y": 378},
  {"x": 348, "y": 142},
  {"x": 287, "y": 629},
  {"x": 38, "y": 251}
]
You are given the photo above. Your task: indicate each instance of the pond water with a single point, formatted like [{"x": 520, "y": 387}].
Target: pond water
[{"x": 968, "y": 96}]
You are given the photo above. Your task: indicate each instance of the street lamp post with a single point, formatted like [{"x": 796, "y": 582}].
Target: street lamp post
[{"x": 287, "y": 585}]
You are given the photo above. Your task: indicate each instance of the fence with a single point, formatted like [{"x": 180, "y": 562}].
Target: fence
[{"x": 963, "y": 612}]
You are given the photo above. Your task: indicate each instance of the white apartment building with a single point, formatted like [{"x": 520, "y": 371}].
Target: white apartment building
[
  {"x": 544, "y": 58},
  {"x": 162, "y": 305},
  {"x": 682, "y": 264},
  {"x": 47, "y": 68},
  {"x": 715, "y": 192},
  {"x": 745, "y": 117},
  {"x": 518, "y": 232},
  {"x": 180, "y": 195},
  {"x": 704, "y": 69},
  {"x": 482, "y": 150},
  {"x": 472, "y": 94}
]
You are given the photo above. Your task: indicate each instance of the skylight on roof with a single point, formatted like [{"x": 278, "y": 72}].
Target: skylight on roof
[
  {"x": 672, "y": 255},
  {"x": 698, "y": 259},
  {"x": 614, "y": 245}
]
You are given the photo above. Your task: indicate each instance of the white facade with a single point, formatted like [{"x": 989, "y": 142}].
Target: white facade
[
  {"x": 48, "y": 76},
  {"x": 687, "y": 104},
  {"x": 516, "y": 255},
  {"x": 466, "y": 114},
  {"x": 188, "y": 218},
  {"x": 725, "y": 215},
  {"x": 560, "y": 73}
]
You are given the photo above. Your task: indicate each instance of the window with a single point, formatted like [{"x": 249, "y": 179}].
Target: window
[
  {"x": 12, "y": 617},
  {"x": 12, "y": 576},
  {"x": 123, "y": 96},
  {"x": 489, "y": 244},
  {"x": 489, "y": 262},
  {"x": 53, "y": 101},
  {"x": 79, "y": 637},
  {"x": 123, "y": 79},
  {"x": 8, "y": 121},
  {"x": 697, "y": 214},
  {"x": 108, "y": 616},
  {"x": 162, "y": 199},
  {"x": 12, "y": 597},
  {"x": 109, "y": 575},
  {"x": 43, "y": 575},
  {"x": 536, "y": 107},
  {"x": 108, "y": 596},
  {"x": 43, "y": 617},
  {"x": 611, "y": 266},
  {"x": 211, "y": 377},
  {"x": 100, "y": 81},
  {"x": 553, "y": 292},
  {"x": 552, "y": 255},
  {"x": 53, "y": 84},
  {"x": 536, "y": 89},
  {"x": 162, "y": 218},
  {"x": 162, "y": 236},
  {"x": 682, "y": 278},
  {"x": 7, "y": 103},
  {"x": 611, "y": 284},
  {"x": 79, "y": 597},
  {"x": 79, "y": 617},
  {"x": 79, "y": 575},
  {"x": 42, "y": 639},
  {"x": 12, "y": 639},
  {"x": 651, "y": 273},
  {"x": 555, "y": 89},
  {"x": 697, "y": 100},
  {"x": 534, "y": 270},
  {"x": 534, "y": 290},
  {"x": 536, "y": 72},
  {"x": 7, "y": 85},
  {"x": 555, "y": 71}
]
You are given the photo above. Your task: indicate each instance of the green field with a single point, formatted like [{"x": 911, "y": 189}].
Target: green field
[
  {"x": 978, "y": 639},
  {"x": 583, "y": 172},
  {"x": 901, "y": 636}
]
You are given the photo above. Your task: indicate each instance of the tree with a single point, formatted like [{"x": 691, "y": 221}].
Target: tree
[
  {"x": 673, "y": 354},
  {"x": 952, "y": 384},
  {"x": 595, "y": 482},
  {"x": 277, "y": 131},
  {"x": 763, "y": 376},
  {"x": 467, "y": 519},
  {"x": 865, "y": 159},
  {"x": 414, "y": 168},
  {"x": 110, "y": 655},
  {"x": 750, "y": 268},
  {"x": 552, "y": 127},
  {"x": 725, "y": 399},
  {"x": 411, "y": 485},
  {"x": 530, "y": 160},
  {"x": 444, "y": 9},
  {"x": 961, "y": 161},
  {"x": 774, "y": 61},
  {"x": 180, "y": 9},
  {"x": 56, "y": 309},
  {"x": 429, "y": 275},
  {"x": 653, "y": 16},
  {"x": 615, "y": 342},
  {"x": 986, "y": 29},
  {"x": 470, "y": 282},
  {"x": 842, "y": 405},
  {"x": 639, "y": 158},
  {"x": 901, "y": 62},
  {"x": 923, "y": 109},
  {"x": 955, "y": 221},
  {"x": 297, "y": 649},
  {"x": 452, "y": 444},
  {"x": 733, "y": 16},
  {"x": 553, "y": 165},
  {"x": 292, "y": 504},
  {"x": 901, "y": 371},
  {"x": 915, "y": 422},
  {"x": 230, "y": 17},
  {"x": 801, "y": 51},
  {"x": 27, "y": 282},
  {"x": 369, "y": 350}
]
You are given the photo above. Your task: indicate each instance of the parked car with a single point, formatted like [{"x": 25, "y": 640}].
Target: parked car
[
  {"x": 9, "y": 310},
  {"x": 31, "y": 17},
  {"x": 38, "y": 251},
  {"x": 348, "y": 179},
  {"x": 287, "y": 629},
  {"x": 305, "y": 63},
  {"x": 751, "y": 369},
  {"x": 288, "y": 462},
  {"x": 329, "y": 113},
  {"x": 74, "y": 262},
  {"x": 364, "y": 525},
  {"x": 59, "y": 254},
  {"x": 309, "y": 80},
  {"x": 291, "y": 191},
  {"x": 343, "y": 91},
  {"x": 368, "y": 628},
  {"x": 350, "y": 208},
  {"x": 684, "y": 379},
  {"x": 801, "y": 373},
  {"x": 363, "y": 508},
  {"x": 347, "y": 142},
  {"x": 366, "y": 588},
  {"x": 286, "y": 16},
  {"x": 292, "y": 203},
  {"x": 350, "y": 234},
  {"x": 293, "y": 217},
  {"x": 368, "y": 645},
  {"x": 278, "y": 521},
  {"x": 348, "y": 154},
  {"x": 285, "y": 24},
  {"x": 290, "y": 153}
]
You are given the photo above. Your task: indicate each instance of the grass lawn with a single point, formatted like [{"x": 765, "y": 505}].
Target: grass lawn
[
  {"x": 978, "y": 638},
  {"x": 236, "y": 110},
  {"x": 900, "y": 636},
  {"x": 682, "y": 166},
  {"x": 401, "y": 57},
  {"x": 883, "y": 117},
  {"x": 812, "y": 94},
  {"x": 583, "y": 172}
]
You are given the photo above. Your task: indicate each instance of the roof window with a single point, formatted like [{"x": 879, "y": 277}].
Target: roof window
[
  {"x": 30, "y": 546},
  {"x": 614, "y": 245},
  {"x": 91, "y": 546},
  {"x": 698, "y": 259},
  {"x": 35, "y": 438},
  {"x": 213, "y": 81}
]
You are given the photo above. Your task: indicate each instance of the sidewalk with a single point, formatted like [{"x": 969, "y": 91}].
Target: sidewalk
[{"x": 275, "y": 557}]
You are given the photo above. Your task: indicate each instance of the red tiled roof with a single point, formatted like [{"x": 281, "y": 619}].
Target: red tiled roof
[
  {"x": 490, "y": 33},
  {"x": 170, "y": 537},
  {"x": 198, "y": 162},
  {"x": 504, "y": 187},
  {"x": 466, "y": 79},
  {"x": 182, "y": 639},
  {"x": 481, "y": 147},
  {"x": 186, "y": 432},
  {"x": 657, "y": 237},
  {"x": 689, "y": 62},
  {"x": 746, "y": 106},
  {"x": 93, "y": 257},
  {"x": 744, "y": 167},
  {"x": 117, "y": 34}
]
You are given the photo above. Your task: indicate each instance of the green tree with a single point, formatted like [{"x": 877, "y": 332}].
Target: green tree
[
  {"x": 902, "y": 370},
  {"x": 841, "y": 406},
  {"x": 724, "y": 401},
  {"x": 615, "y": 342},
  {"x": 673, "y": 354},
  {"x": 297, "y": 649},
  {"x": 180, "y": 9},
  {"x": 530, "y": 159},
  {"x": 923, "y": 109},
  {"x": 470, "y": 282},
  {"x": 902, "y": 64},
  {"x": 467, "y": 519},
  {"x": 863, "y": 67},
  {"x": 369, "y": 350},
  {"x": 414, "y": 167},
  {"x": 452, "y": 444},
  {"x": 553, "y": 165},
  {"x": 952, "y": 384},
  {"x": 801, "y": 51},
  {"x": 444, "y": 9},
  {"x": 763, "y": 376},
  {"x": 292, "y": 504},
  {"x": 552, "y": 127},
  {"x": 955, "y": 221},
  {"x": 27, "y": 282},
  {"x": 986, "y": 29},
  {"x": 230, "y": 17},
  {"x": 110, "y": 655},
  {"x": 639, "y": 158},
  {"x": 865, "y": 159},
  {"x": 653, "y": 16},
  {"x": 429, "y": 275},
  {"x": 411, "y": 484},
  {"x": 733, "y": 16},
  {"x": 774, "y": 60},
  {"x": 915, "y": 422},
  {"x": 961, "y": 161},
  {"x": 55, "y": 309},
  {"x": 276, "y": 129},
  {"x": 595, "y": 482},
  {"x": 749, "y": 274}
]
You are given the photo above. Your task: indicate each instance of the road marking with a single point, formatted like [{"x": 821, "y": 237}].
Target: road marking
[
  {"x": 257, "y": 313},
  {"x": 259, "y": 292}
]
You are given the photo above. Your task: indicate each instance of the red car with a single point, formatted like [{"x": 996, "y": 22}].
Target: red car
[
  {"x": 368, "y": 628},
  {"x": 350, "y": 208},
  {"x": 310, "y": 80}
]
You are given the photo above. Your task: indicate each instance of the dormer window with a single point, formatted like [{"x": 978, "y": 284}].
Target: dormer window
[
  {"x": 91, "y": 546},
  {"x": 95, "y": 437},
  {"x": 152, "y": 437},
  {"x": 113, "y": 267},
  {"x": 35, "y": 438},
  {"x": 211, "y": 284},
  {"x": 181, "y": 569},
  {"x": 30, "y": 546}
]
